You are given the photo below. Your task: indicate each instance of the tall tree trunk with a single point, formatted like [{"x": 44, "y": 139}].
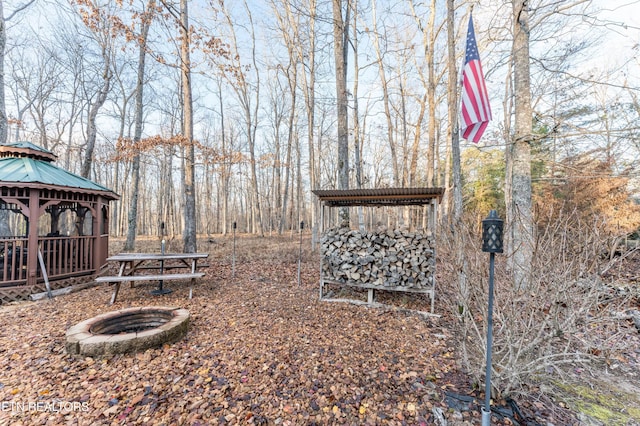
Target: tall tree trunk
[
  {"x": 167, "y": 205},
  {"x": 250, "y": 111},
  {"x": 385, "y": 99},
  {"x": 94, "y": 108},
  {"x": 428, "y": 100},
  {"x": 72, "y": 121},
  {"x": 300, "y": 200},
  {"x": 522, "y": 226},
  {"x": 308, "y": 81},
  {"x": 404, "y": 131},
  {"x": 129, "y": 244},
  {"x": 114, "y": 220},
  {"x": 118, "y": 186},
  {"x": 356, "y": 118},
  {"x": 452, "y": 87},
  {"x": 4, "y": 126},
  {"x": 256, "y": 210},
  {"x": 456, "y": 198},
  {"x": 277, "y": 173},
  {"x": 431, "y": 96},
  {"x": 4, "y": 214},
  {"x": 507, "y": 108},
  {"x": 226, "y": 164},
  {"x": 415, "y": 147},
  {"x": 292, "y": 78},
  {"x": 340, "y": 37},
  {"x": 189, "y": 234}
]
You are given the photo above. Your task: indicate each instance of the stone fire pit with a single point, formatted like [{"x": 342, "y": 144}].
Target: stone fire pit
[{"x": 127, "y": 330}]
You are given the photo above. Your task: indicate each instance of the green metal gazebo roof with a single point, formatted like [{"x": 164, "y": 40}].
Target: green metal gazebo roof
[
  {"x": 28, "y": 164},
  {"x": 28, "y": 145}
]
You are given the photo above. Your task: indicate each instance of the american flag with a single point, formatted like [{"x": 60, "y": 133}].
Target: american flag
[{"x": 476, "y": 111}]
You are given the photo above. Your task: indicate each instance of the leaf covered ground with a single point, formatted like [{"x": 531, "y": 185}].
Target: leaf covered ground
[{"x": 261, "y": 349}]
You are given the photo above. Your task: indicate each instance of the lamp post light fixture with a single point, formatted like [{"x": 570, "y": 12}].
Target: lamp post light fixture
[{"x": 492, "y": 238}]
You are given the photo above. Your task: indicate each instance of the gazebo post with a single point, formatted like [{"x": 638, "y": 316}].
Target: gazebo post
[
  {"x": 32, "y": 237},
  {"x": 55, "y": 211},
  {"x": 99, "y": 249}
]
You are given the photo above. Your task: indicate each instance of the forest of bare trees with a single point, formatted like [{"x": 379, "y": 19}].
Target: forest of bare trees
[
  {"x": 208, "y": 116},
  {"x": 237, "y": 110}
]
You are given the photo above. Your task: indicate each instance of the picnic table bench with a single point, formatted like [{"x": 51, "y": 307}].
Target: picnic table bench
[{"x": 130, "y": 264}]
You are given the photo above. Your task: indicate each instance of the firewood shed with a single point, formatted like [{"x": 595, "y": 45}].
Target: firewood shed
[{"x": 397, "y": 253}]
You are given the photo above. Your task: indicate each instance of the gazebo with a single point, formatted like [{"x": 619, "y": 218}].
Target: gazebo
[{"x": 54, "y": 225}]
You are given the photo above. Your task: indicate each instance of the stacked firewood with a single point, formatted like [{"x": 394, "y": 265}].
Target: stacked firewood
[{"x": 382, "y": 258}]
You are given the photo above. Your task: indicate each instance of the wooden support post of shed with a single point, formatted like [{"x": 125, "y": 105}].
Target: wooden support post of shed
[
  {"x": 434, "y": 223},
  {"x": 321, "y": 233}
]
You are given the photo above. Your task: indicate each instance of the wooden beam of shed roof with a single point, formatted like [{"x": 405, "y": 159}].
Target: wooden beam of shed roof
[{"x": 379, "y": 196}]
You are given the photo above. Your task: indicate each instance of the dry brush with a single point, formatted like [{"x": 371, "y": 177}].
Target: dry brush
[{"x": 567, "y": 315}]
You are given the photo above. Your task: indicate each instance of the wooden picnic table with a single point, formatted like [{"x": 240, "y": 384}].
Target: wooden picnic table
[{"x": 131, "y": 267}]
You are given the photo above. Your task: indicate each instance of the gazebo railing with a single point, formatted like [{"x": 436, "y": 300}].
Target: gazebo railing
[
  {"x": 65, "y": 256},
  {"x": 62, "y": 256},
  {"x": 13, "y": 259}
]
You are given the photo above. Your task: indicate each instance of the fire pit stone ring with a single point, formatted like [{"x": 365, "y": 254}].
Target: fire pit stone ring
[{"x": 127, "y": 330}]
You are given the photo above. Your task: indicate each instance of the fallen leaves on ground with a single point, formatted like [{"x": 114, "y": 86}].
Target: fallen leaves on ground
[{"x": 261, "y": 349}]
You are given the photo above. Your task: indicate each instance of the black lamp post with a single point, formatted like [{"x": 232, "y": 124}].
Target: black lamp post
[
  {"x": 233, "y": 259},
  {"x": 492, "y": 238},
  {"x": 300, "y": 251},
  {"x": 161, "y": 290}
]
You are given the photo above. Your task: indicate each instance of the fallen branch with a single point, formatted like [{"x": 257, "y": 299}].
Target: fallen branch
[{"x": 62, "y": 291}]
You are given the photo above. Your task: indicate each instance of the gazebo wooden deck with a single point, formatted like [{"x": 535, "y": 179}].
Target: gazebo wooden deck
[{"x": 53, "y": 223}]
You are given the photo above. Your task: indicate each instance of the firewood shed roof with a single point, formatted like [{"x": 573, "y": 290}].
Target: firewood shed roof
[{"x": 378, "y": 196}]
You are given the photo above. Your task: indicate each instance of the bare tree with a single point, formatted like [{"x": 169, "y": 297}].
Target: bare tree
[
  {"x": 145, "y": 24},
  {"x": 299, "y": 20},
  {"x": 70, "y": 51},
  {"x": 522, "y": 226},
  {"x": 340, "y": 38},
  {"x": 429, "y": 33},
  {"x": 385, "y": 96},
  {"x": 189, "y": 233},
  {"x": 3, "y": 44},
  {"x": 248, "y": 95},
  {"x": 97, "y": 18},
  {"x": 21, "y": 71},
  {"x": 229, "y": 157},
  {"x": 453, "y": 206},
  {"x": 454, "y": 136},
  {"x": 358, "y": 134},
  {"x": 290, "y": 30},
  {"x": 42, "y": 83}
]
